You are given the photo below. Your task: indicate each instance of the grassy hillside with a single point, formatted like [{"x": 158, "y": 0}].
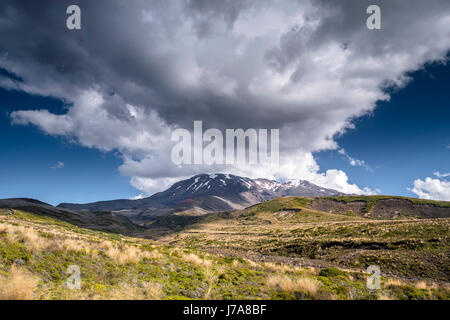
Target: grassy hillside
[
  {"x": 384, "y": 206},
  {"x": 288, "y": 229},
  {"x": 36, "y": 251},
  {"x": 96, "y": 220},
  {"x": 372, "y": 200}
]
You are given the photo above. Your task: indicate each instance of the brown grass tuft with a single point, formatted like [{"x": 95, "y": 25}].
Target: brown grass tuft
[
  {"x": 306, "y": 285},
  {"x": 19, "y": 285},
  {"x": 152, "y": 291}
]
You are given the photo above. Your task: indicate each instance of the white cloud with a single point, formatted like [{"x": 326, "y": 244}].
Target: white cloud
[
  {"x": 150, "y": 186},
  {"x": 430, "y": 188},
  {"x": 309, "y": 73},
  {"x": 298, "y": 165},
  {"x": 441, "y": 175},
  {"x": 49, "y": 123},
  {"x": 137, "y": 197},
  {"x": 353, "y": 161},
  {"x": 90, "y": 122},
  {"x": 58, "y": 165}
]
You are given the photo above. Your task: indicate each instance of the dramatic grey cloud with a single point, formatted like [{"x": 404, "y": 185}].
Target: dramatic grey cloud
[{"x": 139, "y": 69}]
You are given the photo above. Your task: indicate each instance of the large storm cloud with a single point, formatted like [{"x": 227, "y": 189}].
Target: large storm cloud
[{"x": 138, "y": 69}]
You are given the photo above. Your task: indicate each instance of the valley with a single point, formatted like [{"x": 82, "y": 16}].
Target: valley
[
  {"x": 288, "y": 230},
  {"x": 279, "y": 249},
  {"x": 198, "y": 242}
]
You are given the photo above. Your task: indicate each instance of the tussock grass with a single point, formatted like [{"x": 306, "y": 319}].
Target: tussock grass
[
  {"x": 394, "y": 282},
  {"x": 60, "y": 242},
  {"x": 118, "y": 267},
  {"x": 193, "y": 258},
  {"x": 284, "y": 283},
  {"x": 145, "y": 291},
  {"x": 384, "y": 296},
  {"x": 152, "y": 291},
  {"x": 196, "y": 260},
  {"x": 426, "y": 285},
  {"x": 19, "y": 285},
  {"x": 210, "y": 278},
  {"x": 130, "y": 254}
]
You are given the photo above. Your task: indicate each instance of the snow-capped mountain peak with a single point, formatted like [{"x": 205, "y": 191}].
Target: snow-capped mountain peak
[{"x": 212, "y": 192}]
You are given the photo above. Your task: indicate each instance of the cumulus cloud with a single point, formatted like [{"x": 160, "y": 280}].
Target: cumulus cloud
[
  {"x": 135, "y": 72},
  {"x": 430, "y": 188}
]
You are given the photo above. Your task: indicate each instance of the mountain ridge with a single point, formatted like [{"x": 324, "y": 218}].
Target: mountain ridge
[
  {"x": 95, "y": 220},
  {"x": 204, "y": 193}
]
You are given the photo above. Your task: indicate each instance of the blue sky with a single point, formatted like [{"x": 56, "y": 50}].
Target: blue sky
[
  {"x": 87, "y": 114},
  {"x": 404, "y": 139},
  {"x": 29, "y": 157}
]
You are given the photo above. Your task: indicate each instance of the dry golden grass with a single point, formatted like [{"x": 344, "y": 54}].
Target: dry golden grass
[
  {"x": 311, "y": 271},
  {"x": 281, "y": 282},
  {"x": 74, "y": 245},
  {"x": 306, "y": 285},
  {"x": 211, "y": 278},
  {"x": 4, "y": 228},
  {"x": 130, "y": 254},
  {"x": 60, "y": 241},
  {"x": 105, "y": 245},
  {"x": 122, "y": 256},
  {"x": 426, "y": 285},
  {"x": 421, "y": 285},
  {"x": 10, "y": 232},
  {"x": 384, "y": 296},
  {"x": 154, "y": 254},
  {"x": 35, "y": 242},
  {"x": 210, "y": 275},
  {"x": 149, "y": 291},
  {"x": 393, "y": 282},
  {"x": 152, "y": 291},
  {"x": 284, "y": 268},
  {"x": 124, "y": 292},
  {"x": 19, "y": 285},
  {"x": 251, "y": 263},
  {"x": 207, "y": 263},
  {"x": 196, "y": 260},
  {"x": 32, "y": 240},
  {"x": 208, "y": 292},
  {"x": 193, "y": 258}
]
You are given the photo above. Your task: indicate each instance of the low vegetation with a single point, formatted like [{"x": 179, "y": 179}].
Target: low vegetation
[{"x": 242, "y": 255}]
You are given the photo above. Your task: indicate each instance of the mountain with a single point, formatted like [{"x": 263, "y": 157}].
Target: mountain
[
  {"x": 205, "y": 193},
  {"x": 96, "y": 220}
]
